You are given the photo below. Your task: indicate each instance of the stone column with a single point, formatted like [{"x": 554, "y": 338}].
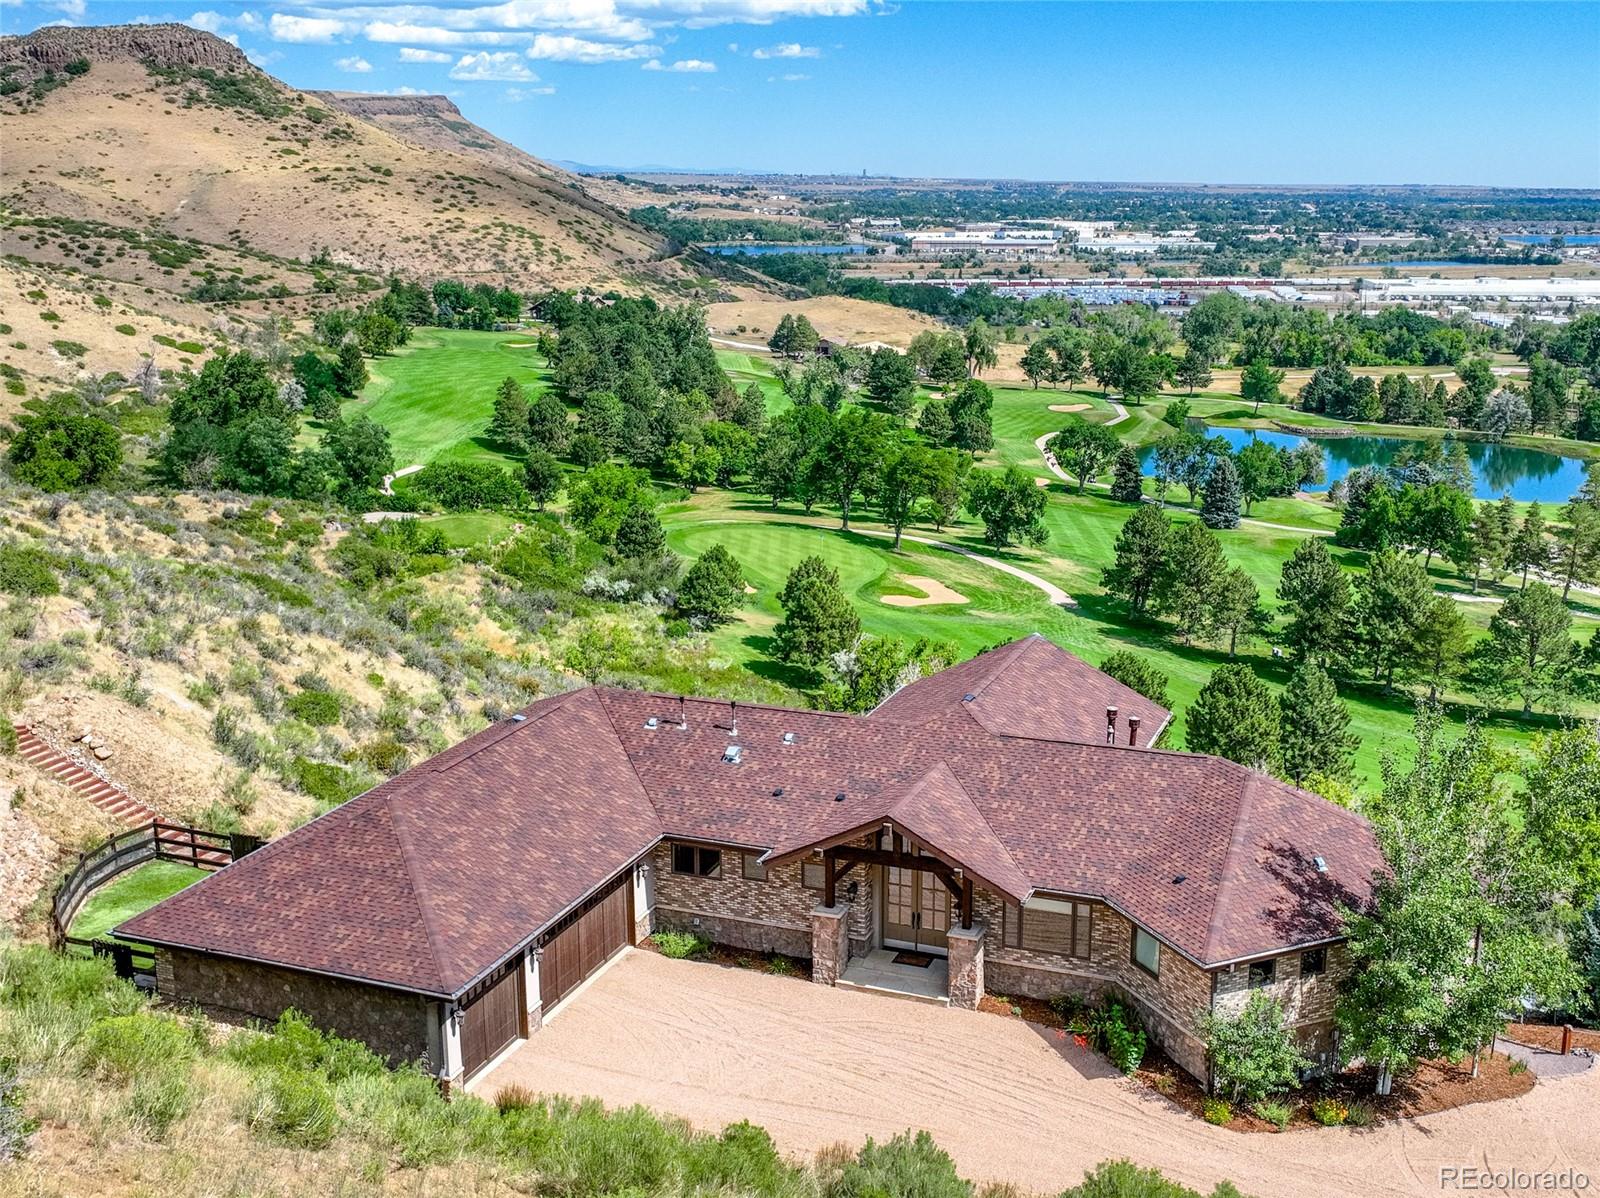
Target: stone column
[
  {"x": 830, "y": 942},
  {"x": 966, "y": 966},
  {"x": 452, "y": 1066},
  {"x": 530, "y": 989}
]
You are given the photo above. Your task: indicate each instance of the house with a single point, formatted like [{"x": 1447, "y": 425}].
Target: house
[{"x": 1004, "y": 822}]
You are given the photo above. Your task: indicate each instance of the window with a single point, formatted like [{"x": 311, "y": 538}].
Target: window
[
  {"x": 693, "y": 860},
  {"x": 811, "y": 875},
  {"x": 1049, "y": 926},
  {"x": 1262, "y": 973},
  {"x": 1146, "y": 951},
  {"x": 752, "y": 869},
  {"x": 1313, "y": 961}
]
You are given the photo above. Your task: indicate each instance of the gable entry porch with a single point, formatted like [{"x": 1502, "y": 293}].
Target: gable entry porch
[{"x": 926, "y": 942}]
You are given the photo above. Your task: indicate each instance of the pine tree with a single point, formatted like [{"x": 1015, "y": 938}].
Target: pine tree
[
  {"x": 1237, "y": 608},
  {"x": 1316, "y": 595},
  {"x": 1194, "y": 369},
  {"x": 1193, "y": 572},
  {"x": 1141, "y": 555},
  {"x": 1219, "y": 507},
  {"x": 1314, "y": 727},
  {"x": 1529, "y": 550},
  {"x": 713, "y": 587},
  {"x": 509, "y": 425},
  {"x": 1235, "y": 716},
  {"x": 1136, "y": 674},
  {"x": 547, "y": 423},
  {"x": 1391, "y": 599},
  {"x": 542, "y": 476},
  {"x": 640, "y": 535},
  {"x": 818, "y": 620},
  {"x": 1127, "y": 481},
  {"x": 350, "y": 371}
]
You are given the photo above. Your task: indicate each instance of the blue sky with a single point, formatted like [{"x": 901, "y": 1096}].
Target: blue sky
[{"x": 1294, "y": 92}]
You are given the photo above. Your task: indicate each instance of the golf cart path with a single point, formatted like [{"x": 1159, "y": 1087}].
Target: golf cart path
[{"x": 388, "y": 479}]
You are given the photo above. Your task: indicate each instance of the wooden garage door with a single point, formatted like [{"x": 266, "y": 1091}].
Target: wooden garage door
[
  {"x": 589, "y": 939},
  {"x": 493, "y": 1019}
]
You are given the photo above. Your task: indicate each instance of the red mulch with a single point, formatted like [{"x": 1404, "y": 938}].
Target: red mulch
[
  {"x": 1432, "y": 1086},
  {"x": 1548, "y": 1036}
]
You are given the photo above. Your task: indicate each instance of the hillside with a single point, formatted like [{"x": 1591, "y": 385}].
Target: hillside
[{"x": 157, "y": 156}]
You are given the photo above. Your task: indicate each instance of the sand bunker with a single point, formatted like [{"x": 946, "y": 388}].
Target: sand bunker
[
  {"x": 1070, "y": 407},
  {"x": 937, "y": 592}
]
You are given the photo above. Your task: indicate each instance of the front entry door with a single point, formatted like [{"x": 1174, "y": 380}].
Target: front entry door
[{"x": 916, "y": 910}]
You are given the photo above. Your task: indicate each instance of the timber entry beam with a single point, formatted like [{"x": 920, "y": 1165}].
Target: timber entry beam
[{"x": 955, "y": 881}]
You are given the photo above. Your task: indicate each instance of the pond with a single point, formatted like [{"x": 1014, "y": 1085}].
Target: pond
[{"x": 1527, "y": 474}]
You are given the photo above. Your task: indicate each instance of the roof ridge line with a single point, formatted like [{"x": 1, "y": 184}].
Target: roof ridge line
[
  {"x": 628, "y": 757},
  {"x": 1225, "y": 883},
  {"x": 984, "y": 816},
  {"x": 428, "y": 931},
  {"x": 1017, "y": 647}
]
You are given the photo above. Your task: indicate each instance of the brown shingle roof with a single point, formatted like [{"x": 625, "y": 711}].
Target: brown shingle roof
[{"x": 436, "y": 876}]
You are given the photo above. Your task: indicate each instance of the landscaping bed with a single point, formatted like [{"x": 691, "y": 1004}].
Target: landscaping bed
[
  {"x": 1548, "y": 1036},
  {"x": 685, "y": 946},
  {"x": 1347, "y": 1098}
]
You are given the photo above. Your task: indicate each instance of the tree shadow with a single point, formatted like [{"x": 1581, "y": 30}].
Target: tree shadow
[
  {"x": 766, "y": 665},
  {"x": 1319, "y": 899}
]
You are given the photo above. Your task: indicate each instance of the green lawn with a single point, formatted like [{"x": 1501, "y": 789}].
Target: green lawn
[
  {"x": 436, "y": 395},
  {"x": 745, "y": 368},
  {"x": 440, "y": 393},
  {"x": 133, "y": 892}
]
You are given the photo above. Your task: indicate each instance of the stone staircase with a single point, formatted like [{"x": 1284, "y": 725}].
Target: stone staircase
[{"x": 113, "y": 800}]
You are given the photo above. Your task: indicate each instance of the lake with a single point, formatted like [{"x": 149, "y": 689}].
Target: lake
[
  {"x": 757, "y": 248},
  {"x": 1528, "y": 474}
]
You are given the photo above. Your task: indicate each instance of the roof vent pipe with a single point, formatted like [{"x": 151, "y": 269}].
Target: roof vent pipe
[
  {"x": 683, "y": 715},
  {"x": 733, "y": 718},
  {"x": 1111, "y": 725},
  {"x": 1133, "y": 729}
]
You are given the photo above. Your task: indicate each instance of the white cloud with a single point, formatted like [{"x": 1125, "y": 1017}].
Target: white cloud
[
  {"x": 306, "y": 29},
  {"x": 215, "y": 22},
  {"x": 433, "y": 35},
  {"x": 502, "y": 66},
  {"x": 355, "y": 64},
  {"x": 685, "y": 65},
  {"x": 788, "y": 50},
  {"x": 263, "y": 58},
  {"x": 566, "y": 48},
  {"x": 518, "y": 94},
  {"x": 412, "y": 54},
  {"x": 790, "y": 78}
]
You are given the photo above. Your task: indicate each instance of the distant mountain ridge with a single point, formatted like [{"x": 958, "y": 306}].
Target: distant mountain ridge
[{"x": 171, "y": 130}]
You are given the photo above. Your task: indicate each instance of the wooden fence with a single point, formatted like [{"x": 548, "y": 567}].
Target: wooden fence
[{"x": 156, "y": 841}]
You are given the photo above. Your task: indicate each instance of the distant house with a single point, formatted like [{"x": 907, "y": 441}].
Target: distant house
[{"x": 1003, "y": 822}]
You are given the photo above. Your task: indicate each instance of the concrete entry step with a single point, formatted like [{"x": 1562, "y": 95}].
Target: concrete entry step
[{"x": 878, "y": 973}]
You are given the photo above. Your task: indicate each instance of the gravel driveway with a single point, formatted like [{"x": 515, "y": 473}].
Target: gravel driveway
[{"x": 818, "y": 1066}]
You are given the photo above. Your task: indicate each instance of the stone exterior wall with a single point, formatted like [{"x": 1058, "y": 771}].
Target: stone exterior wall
[
  {"x": 767, "y": 916},
  {"x": 1166, "y": 1003},
  {"x": 398, "y": 1026},
  {"x": 1307, "y": 1001}
]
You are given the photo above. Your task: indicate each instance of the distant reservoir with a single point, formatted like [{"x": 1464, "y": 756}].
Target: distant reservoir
[{"x": 1527, "y": 474}]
